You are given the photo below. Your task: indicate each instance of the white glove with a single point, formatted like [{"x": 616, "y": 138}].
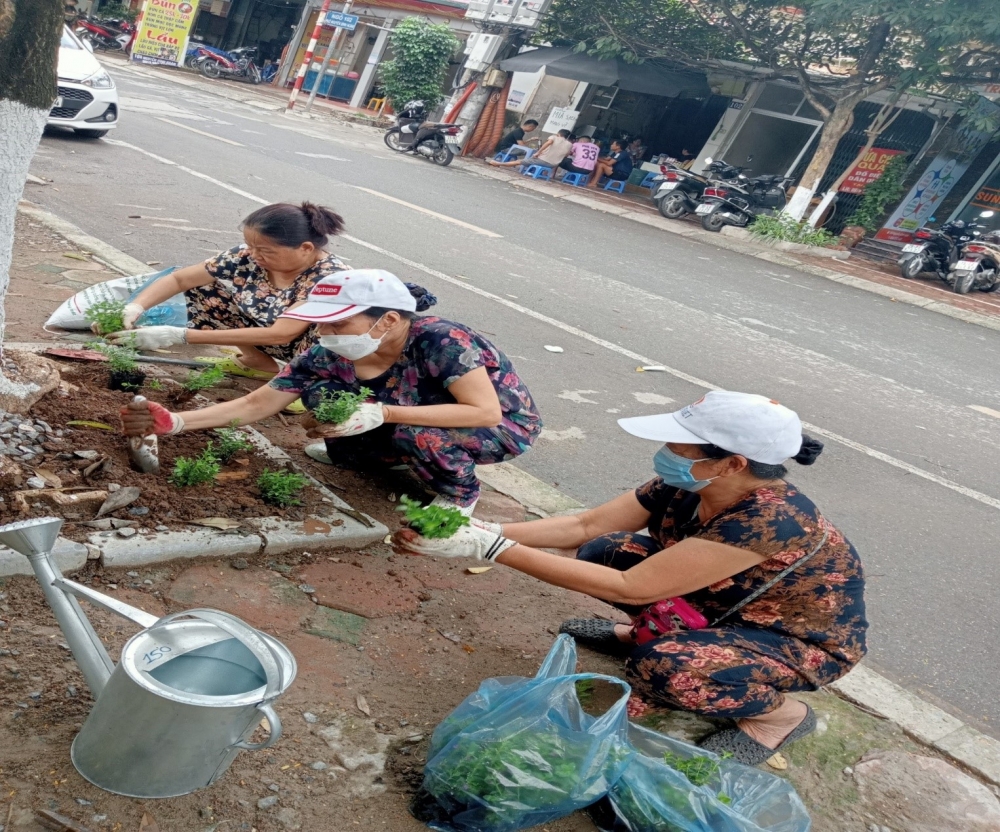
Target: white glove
[
  {"x": 368, "y": 416},
  {"x": 150, "y": 337},
  {"x": 468, "y": 542},
  {"x": 131, "y": 313},
  {"x": 486, "y": 525}
]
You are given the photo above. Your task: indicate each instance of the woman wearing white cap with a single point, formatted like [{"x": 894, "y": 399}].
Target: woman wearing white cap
[
  {"x": 773, "y": 595},
  {"x": 444, "y": 399}
]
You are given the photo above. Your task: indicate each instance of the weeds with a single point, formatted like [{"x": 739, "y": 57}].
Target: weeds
[
  {"x": 432, "y": 521},
  {"x": 203, "y": 379},
  {"x": 231, "y": 442},
  {"x": 201, "y": 469},
  {"x": 336, "y": 408},
  {"x": 281, "y": 488},
  {"x": 782, "y": 227}
]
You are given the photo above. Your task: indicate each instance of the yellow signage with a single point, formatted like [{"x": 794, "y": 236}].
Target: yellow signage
[{"x": 163, "y": 30}]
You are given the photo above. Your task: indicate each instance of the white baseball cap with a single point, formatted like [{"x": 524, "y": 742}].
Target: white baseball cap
[
  {"x": 348, "y": 293},
  {"x": 753, "y": 426}
]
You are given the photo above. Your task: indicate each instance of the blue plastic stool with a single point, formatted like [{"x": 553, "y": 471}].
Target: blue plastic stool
[
  {"x": 537, "y": 171},
  {"x": 649, "y": 181},
  {"x": 615, "y": 185},
  {"x": 577, "y": 179}
]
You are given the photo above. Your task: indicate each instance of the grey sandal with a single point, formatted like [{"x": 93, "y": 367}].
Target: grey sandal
[
  {"x": 597, "y": 634},
  {"x": 746, "y": 750}
]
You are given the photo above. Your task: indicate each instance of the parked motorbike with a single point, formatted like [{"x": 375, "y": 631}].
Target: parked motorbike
[
  {"x": 680, "y": 191},
  {"x": 937, "y": 249},
  {"x": 112, "y": 35},
  {"x": 434, "y": 146},
  {"x": 238, "y": 64},
  {"x": 979, "y": 266},
  {"x": 740, "y": 201},
  {"x": 198, "y": 52}
]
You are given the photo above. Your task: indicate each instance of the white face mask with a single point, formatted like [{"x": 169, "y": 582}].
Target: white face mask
[{"x": 351, "y": 347}]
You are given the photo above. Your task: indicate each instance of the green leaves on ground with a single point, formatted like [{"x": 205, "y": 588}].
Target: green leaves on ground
[
  {"x": 108, "y": 315},
  {"x": 198, "y": 380},
  {"x": 231, "y": 442},
  {"x": 421, "y": 52},
  {"x": 432, "y": 521},
  {"x": 337, "y": 407},
  {"x": 281, "y": 488},
  {"x": 785, "y": 229},
  {"x": 197, "y": 471}
]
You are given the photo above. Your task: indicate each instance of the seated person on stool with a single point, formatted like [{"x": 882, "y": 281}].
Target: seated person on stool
[
  {"x": 511, "y": 142},
  {"x": 550, "y": 154},
  {"x": 616, "y": 166},
  {"x": 583, "y": 157}
]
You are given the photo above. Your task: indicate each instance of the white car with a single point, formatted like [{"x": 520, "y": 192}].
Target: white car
[{"x": 87, "y": 100}]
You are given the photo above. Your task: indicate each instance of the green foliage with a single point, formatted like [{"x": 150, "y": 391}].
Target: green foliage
[
  {"x": 198, "y": 380},
  {"x": 117, "y": 11},
  {"x": 880, "y": 193},
  {"x": 337, "y": 407},
  {"x": 698, "y": 770},
  {"x": 432, "y": 521},
  {"x": 421, "y": 52},
  {"x": 782, "y": 227},
  {"x": 281, "y": 488},
  {"x": 201, "y": 469},
  {"x": 122, "y": 358},
  {"x": 231, "y": 442},
  {"x": 108, "y": 315},
  {"x": 154, "y": 384}
]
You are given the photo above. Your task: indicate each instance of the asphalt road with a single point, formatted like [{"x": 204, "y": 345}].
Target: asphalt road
[{"x": 910, "y": 469}]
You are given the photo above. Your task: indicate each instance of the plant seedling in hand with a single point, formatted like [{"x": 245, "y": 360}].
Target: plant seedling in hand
[
  {"x": 201, "y": 469},
  {"x": 432, "y": 521},
  {"x": 281, "y": 488},
  {"x": 107, "y": 316},
  {"x": 336, "y": 408}
]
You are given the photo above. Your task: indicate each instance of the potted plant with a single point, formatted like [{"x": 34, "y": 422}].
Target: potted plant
[{"x": 123, "y": 369}]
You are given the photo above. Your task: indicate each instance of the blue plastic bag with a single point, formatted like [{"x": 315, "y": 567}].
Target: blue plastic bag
[
  {"x": 520, "y": 752},
  {"x": 172, "y": 312},
  {"x": 651, "y": 796}
]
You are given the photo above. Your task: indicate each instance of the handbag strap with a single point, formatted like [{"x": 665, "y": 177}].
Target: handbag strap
[{"x": 753, "y": 596}]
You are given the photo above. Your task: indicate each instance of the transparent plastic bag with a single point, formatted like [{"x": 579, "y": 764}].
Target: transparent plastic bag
[
  {"x": 650, "y": 796},
  {"x": 520, "y": 752},
  {"x": 72, "y": 313},
  {"x": 172, "y": 312}
]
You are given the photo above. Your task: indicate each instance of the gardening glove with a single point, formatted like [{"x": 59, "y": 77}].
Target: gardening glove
[
  {"x": 130, "y": 314},
  {"x": 368, "y": 416},
  {"x": 486, "y": 525},
  {"x": 468, "y": 542},
  {"x": 152, "y": 419},
  {"x": 150, "y": 337}
]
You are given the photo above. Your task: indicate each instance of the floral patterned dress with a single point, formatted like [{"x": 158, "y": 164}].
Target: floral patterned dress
[
  {"x": 437, "y": 353},
  {"x": 802, "y": 633},
  {"x": 241, "y": 297}
]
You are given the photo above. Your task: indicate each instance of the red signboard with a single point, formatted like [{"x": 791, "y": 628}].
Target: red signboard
[{"x": 867, "y": 170}]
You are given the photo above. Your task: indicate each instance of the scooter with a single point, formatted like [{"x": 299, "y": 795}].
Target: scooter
[
  {"x": 435, "y": 147},
  {"x": 112, "y": 35},
  {"x": 937, "y": 249},
  {"x": 741, "y": 201},
  {"x": 238, "y": 64},
  {"x": 979, "y": 266},
  {"x": 198, "y": 52},
  {"x": 680, "y": 191}
]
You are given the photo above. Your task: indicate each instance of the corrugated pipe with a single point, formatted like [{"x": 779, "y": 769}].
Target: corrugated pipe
[
  {"x": 454, "y": 111},
  {"x": 493, "y": 138},
  {"x": 484, "y": 123}
]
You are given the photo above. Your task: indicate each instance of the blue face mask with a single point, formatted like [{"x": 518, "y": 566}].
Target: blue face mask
[{"x": 675, "y": 470}]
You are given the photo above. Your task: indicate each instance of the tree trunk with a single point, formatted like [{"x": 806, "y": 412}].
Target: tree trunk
[
  {"x": 30, "y": 31},
  {"x": 834, "y": 130}
]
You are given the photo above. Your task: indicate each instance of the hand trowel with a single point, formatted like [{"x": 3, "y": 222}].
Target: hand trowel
[{"x": 143, "y": 451}]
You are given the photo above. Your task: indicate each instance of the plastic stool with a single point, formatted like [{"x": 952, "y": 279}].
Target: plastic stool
[
  {"x": 375, "y": 104},
  {"x": 649, "y": 181},
  {"x": 507, "y": 156},
  {"x": 537, "y": 171},
  {"x": 615, "y": 185},
  {"x": 577, "y": 179}
]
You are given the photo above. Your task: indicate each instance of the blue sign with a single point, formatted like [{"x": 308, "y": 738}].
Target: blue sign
[{"x": 347, "y": 22}]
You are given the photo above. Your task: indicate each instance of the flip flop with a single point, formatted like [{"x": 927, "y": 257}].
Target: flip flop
[
  {"x": 234, "y": 367},
  {"x": 597, "y": 634},
  {"x": 296, "y": 408},
  {"x": 746, "y": 750}
]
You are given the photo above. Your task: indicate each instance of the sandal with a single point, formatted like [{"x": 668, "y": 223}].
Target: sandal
[
  {"x": 231, "y": 365},
  {"x": 296, "y": 408},
  {"x": 597, "y": 634},
  {"x": 746, "y": 750}
]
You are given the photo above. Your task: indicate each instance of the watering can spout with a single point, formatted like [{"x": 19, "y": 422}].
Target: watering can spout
[{"x": 34, "y": 539}]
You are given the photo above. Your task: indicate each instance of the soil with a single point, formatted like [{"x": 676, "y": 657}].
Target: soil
[{"x": 85, "y": 396}]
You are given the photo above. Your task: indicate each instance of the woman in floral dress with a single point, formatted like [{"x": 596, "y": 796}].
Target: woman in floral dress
[
  {"x": 443, "y": 399},
  {"x": 237, "y": 297},
  {"x": 781, "y": 591}
]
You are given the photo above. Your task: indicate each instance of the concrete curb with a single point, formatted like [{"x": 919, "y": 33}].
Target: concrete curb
[{"x": 924, "y": 722}]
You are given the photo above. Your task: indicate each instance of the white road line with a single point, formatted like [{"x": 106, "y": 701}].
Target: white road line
[
  {"x": 199, "y": 132},
  {"x": 430, "y": 213},
  {"x": 971, "y": 493},
  {"x": 322, "y": 156},
  {"x": 989, "y": 411}
]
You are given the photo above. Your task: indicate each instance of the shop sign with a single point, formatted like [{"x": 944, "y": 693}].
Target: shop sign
[
  {"x": 561, "y": 118},
  {"x": 347, "y": 22},
  {"x": 163, "y": 29},
  {"x": 868, "y": 170}
]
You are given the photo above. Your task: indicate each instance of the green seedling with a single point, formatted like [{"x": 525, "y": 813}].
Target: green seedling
[
  {"x": 203, "y": 379},
  {"x": 281, "y": 488},
  {"x": 154, "y": 384},
  {"x": 107, "y": 315},
  {"x": 337, "y": 407},
  {"x": 201, "y": 469},
  {"x": 431, "y": 521},
  {"x": 231, "y": 442}
]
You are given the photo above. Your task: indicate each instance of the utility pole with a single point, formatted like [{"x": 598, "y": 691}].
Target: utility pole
[
  {"x": 307, "y": 58},
  {"x": 334, "y": 40}
]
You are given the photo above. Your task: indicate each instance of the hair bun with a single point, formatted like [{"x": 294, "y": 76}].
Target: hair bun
[
  {"x": 425, "y": 300},
  {"x": 810, "y": 450},
  {"x": 322, "y": 221}
]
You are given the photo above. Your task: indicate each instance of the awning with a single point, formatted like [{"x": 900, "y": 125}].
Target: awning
[{"x": 563, "y": 62}]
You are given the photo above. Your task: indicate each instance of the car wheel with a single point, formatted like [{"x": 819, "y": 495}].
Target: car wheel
[{"x": 91, "y": 134}]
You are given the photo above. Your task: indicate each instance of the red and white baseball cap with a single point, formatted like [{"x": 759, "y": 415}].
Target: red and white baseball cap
[
  {"x": 753, "y": 426},
  {"x": 348, "y": 293}
]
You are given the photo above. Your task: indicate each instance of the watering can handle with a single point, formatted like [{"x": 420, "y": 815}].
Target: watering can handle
[
  {"x": 263, "y": 652},
  {"x": 274, "y": 734}
]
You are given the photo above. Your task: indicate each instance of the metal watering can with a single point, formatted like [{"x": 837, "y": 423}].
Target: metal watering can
[{"x": 184, "y": 698}]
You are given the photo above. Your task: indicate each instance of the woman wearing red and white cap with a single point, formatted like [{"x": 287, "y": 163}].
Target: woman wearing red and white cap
[
  {"x": 443, "y": 398},
  {"x": 770, "y": 593}
]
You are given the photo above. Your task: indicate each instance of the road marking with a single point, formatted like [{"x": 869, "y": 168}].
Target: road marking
[
  {"x": 199, "y": 132},
  {"x": 652, "y": 398},
  {"x": 989, "y": 411},
  {"x": 971, "y": 493},
  {"x": 430, "y": 213},
  {"x": 577, "y": 396},
  {"x": 562, "y": 435},
  {"x": 322, "y": 156}
]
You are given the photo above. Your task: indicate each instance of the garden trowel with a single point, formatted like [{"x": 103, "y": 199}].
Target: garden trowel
[{"x": 143, "y": 451}]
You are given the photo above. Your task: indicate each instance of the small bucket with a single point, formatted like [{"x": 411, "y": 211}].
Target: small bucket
[{"x": 181, "y": 703}]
